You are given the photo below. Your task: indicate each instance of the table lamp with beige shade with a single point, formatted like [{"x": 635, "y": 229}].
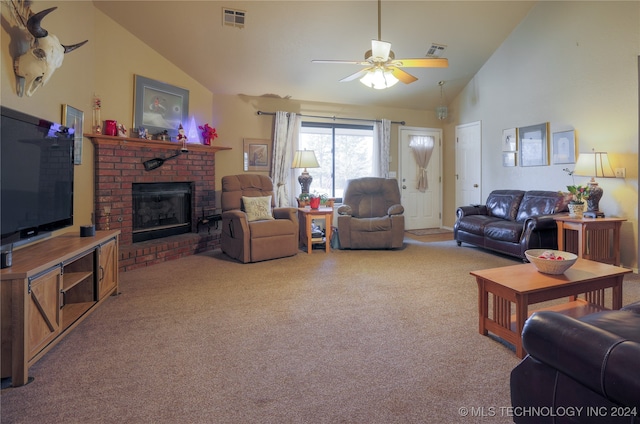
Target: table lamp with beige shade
[
  {"x": 594, "y": 164},
  {"x": 305, "y": 159}
]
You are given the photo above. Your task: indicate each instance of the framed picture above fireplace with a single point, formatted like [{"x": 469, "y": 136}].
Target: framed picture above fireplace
[{"x": 159, "y": 106}]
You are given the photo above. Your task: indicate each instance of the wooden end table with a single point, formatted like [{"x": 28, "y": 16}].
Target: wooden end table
[
  {"x": 305, "y": 216},
  {"x": 597, "y": 239},
  {"x": 522, "y": 285}
]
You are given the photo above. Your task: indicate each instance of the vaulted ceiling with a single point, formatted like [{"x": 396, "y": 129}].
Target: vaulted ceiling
[{"x": 271, "y": 55}]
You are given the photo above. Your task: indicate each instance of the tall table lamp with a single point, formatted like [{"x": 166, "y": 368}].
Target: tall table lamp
[
  {"x": 305, "y": 159},
  {"x": 594, "y": 164}
]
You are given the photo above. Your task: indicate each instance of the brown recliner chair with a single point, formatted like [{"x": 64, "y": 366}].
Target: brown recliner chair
[
  {"x": 371, "y": 216},
  {"x": 253, "y": 229}
]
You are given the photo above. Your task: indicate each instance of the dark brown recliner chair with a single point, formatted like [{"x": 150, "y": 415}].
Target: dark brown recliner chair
[
  {"x": 271, "y": 233},
  {"x": 371, "y": 216}
]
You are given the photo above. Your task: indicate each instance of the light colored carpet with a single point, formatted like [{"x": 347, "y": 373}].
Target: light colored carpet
[
  {"x": 429, "y": 231},
  {"x": 345, "y": 337}
]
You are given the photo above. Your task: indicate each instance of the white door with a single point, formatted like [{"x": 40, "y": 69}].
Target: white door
[
  {"x": 468, "y": 164},
  {"x": 421, "y": 209}
]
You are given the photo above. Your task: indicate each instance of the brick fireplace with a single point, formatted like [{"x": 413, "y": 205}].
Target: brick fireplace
[{"x": 119, "y": 164}]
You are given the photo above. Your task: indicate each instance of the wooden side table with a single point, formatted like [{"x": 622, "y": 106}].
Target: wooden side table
[
  {"x": 305, "y": 216},
  {"x": 597, "y": 239}
]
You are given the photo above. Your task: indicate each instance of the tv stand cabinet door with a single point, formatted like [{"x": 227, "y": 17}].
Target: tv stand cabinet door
[
  {"x": 43, "y": 311},
  {"x": 108, "y": 273}
]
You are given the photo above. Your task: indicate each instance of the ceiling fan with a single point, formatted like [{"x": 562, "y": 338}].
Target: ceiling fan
[{"x": 382, "y": 68}]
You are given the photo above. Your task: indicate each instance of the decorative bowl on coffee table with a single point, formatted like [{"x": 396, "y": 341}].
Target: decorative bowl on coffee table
[{"x": 547, "y": 262}]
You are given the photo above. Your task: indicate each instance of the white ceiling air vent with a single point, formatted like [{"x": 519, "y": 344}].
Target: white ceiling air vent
[
  {"x": 436, "y": 50},
  {"x": 232, "y": 17}
]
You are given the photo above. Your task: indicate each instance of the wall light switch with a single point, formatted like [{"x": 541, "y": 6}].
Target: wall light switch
[
  {"x": 392, "y": 174},
  {"x": 621, "y": 172}
]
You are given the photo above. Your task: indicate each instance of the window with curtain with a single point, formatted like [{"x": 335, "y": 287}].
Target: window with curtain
[{"x": 343, "y": 151}]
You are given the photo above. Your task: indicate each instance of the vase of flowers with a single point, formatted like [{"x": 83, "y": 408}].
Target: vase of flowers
[
  {"x": 208, "y": 134},
  {"x": 576, "y": 205}
]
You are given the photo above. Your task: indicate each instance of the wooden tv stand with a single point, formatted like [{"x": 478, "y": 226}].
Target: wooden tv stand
[{"x": 50, "y": 288}]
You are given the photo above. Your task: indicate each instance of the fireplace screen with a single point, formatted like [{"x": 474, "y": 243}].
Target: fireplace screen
[{"x": 161, "y": 210}]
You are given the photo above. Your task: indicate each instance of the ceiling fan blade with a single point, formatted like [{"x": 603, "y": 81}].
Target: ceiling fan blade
[
  {"x": 380, "y": 50},
  {"x": 357, "y": 75},
  {"x": 348, "y": 62},
  {"x": 403, "y": 76},
  {"x": 424, "y": 62}
]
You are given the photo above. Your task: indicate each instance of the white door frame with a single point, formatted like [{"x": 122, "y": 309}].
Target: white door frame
[
  {"x": 438, "y": 159},
  {"x": 469, "y": 167}
]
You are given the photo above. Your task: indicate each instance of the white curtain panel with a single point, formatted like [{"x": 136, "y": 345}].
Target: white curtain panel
[
  {"x": 422, "y": 148},
  {"x": 382, "y": 141},
  {"x": 287, "y": 128}
]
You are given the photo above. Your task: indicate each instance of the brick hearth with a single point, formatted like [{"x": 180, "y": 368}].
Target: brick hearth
[{"x": 119, "y": 163}]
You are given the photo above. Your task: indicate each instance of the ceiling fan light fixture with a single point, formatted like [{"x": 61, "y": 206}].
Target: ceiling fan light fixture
[{"x": 379, "y": 79}]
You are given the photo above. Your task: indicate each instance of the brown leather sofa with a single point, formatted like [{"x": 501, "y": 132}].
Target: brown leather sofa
[
  {"x": 371, "y": 216},
  {"x": 274, "y": 235},
  {"x": 512, "y": 221},
  {"x": 584, "y": 370}
]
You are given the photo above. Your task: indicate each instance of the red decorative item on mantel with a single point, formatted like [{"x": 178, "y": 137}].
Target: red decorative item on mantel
[{"x": 208, "y": 134}]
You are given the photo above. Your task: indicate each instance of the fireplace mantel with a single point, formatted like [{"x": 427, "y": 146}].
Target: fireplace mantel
[{"x": 154, "y": 144}]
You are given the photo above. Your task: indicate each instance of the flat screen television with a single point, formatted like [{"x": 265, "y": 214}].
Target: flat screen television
[{"x": 36, "y": 177}]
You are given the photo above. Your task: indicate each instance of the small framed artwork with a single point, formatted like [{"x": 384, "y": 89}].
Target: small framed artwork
[
  {"x": 74, "y": 120},
  {"x": 510, "y": 140},
  {"x": 159, "y": 106},
  {"x": 508, "y": 159},
  {"x": 534, "y": 145},
  {"x": 564, "y": 147},
  {"x": 256, "y": 154}
]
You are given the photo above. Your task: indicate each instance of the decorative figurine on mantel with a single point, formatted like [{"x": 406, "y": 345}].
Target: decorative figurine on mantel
[
  {"x": 122, "y": 130},
  {"x": 142, "y": 132},
  {"x": 97, "y": 105},
  {"x": 208, "y": 134},
  {"x": 164, "y": 136},
  {"x": 182, "y": 137}
]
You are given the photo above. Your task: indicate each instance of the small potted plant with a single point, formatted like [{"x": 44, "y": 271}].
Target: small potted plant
[
  {"x": 579, "y": 194},
  {"x": 312, "y": 199},
  {"x": 576, "y": 205},
  {"x": 303, "y": 200}
]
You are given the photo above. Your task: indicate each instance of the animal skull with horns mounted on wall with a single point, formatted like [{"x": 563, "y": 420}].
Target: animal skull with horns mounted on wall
[{"x": 35, "y": 67}]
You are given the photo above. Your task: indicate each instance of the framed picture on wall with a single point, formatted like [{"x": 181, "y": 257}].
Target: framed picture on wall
[
  {"x": 534, "y": 145},
  {"x": 159, "y": 106},
  {"x": 508, "y": 159},
  {"x": 74, "y": 120},
  {"x": 564, "y": 147},
  {"x": 256, "y": 155},
  {"x": 510, "y": 140}
]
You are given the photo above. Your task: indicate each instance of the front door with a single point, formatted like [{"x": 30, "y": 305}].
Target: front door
[{"x": 421, "y": 209}]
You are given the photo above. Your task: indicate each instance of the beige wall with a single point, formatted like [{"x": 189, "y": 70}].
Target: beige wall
[{"x": 574, "y": 65}]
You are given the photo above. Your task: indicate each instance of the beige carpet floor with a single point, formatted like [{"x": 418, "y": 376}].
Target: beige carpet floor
[
  {"x": 345, "y": 337},
  {"x": 429, "y": 231}
]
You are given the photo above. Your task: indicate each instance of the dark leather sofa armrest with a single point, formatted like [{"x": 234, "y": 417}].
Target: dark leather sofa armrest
[
  {"x": 471, "y": 210},
  {"x": 602, "y": 361},
  {"x": 286, "y": 213},
  {"x": 541, "y": 222},
  {"x": 395, "y": 210}
]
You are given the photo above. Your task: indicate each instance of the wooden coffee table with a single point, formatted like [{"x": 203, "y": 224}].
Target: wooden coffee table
[{"x": 522, "y": 285}]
